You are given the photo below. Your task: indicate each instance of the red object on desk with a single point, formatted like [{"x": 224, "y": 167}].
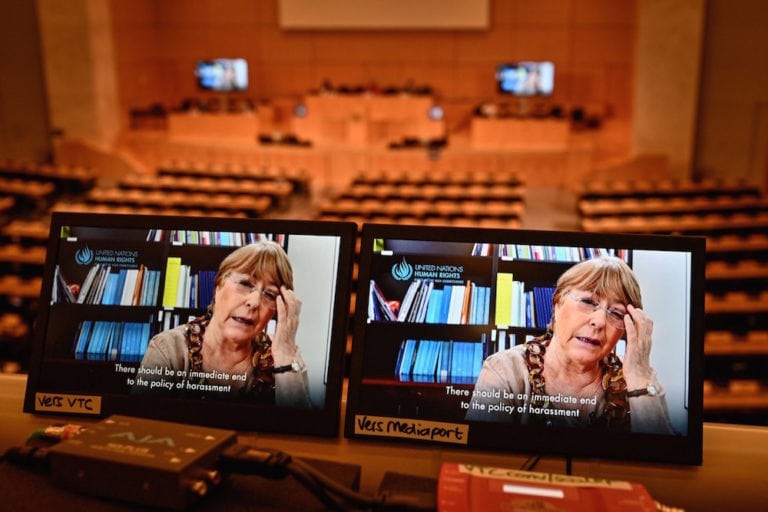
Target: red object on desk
[{"x": 469, "y": 488}]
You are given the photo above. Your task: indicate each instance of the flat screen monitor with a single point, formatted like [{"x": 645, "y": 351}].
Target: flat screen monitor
[
  {"x": 542, "y": 342},
  {"x": 236, "y": 323},
  {"x": 222, "y": 75},
  {"x": 526, "y": 78}
]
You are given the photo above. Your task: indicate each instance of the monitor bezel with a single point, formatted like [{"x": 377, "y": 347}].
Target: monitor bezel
[
  {"x": 528, "y": 439},
  {"x": 319, "y": 421}
]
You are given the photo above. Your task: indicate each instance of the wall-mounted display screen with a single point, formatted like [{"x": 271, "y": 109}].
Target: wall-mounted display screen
[
  {"x": 526, "y": 78},
  {"x": 222, "y": 75}
]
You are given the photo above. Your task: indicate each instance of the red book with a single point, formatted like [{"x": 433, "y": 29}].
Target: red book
[{"x": 468, "y": 488}]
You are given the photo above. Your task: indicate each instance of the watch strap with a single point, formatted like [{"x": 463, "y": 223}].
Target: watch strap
[
  {"x": 295, "y": 366},
  {"x": 650, "y": 389}
]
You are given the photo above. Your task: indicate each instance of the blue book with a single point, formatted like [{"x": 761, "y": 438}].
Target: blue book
[
  {"x": 444, "y": 362},
  {"x": 82, "y": 339},
  {"x": 118, "y": 292},
  {"x": 473, "y": 303},
  {"x": 109, "y": 290},
  {"x": 399, "y": 361},
  {"x": 426, "y": 362},
  {"x": 419, "y": 362},
  {"x": 136, "y": 351},
  {"x": 144, "y": 336},
  {"x": 477, "y": 360},
  {"x": 542, "y": 296},
  {"x": 446, "y": 304},
  {"x": 457, "y": 366},
  {"x": 99, "y": 339},
  {"x": 115, "y": 341},
  {"x": 127, "y": 345},
  {"x": 434, "y": 306},
  {"x": 407, "y": 362},
  {"x": 155, "y": 288}
]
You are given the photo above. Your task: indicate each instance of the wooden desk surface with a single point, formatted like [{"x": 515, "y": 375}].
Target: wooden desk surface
[{"x": 732, "y": 477}]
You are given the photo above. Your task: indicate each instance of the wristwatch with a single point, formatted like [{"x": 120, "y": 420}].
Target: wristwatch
[
  {"x": 649, "y": 390},
  {"x": 295, "y": 366}
]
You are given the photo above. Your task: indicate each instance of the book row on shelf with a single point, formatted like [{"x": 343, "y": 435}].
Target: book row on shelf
[
  {"x": 467, "y": 304},
  {"x": 108, "y": 286},
  {"x": 124, "y": 341},
  {"x": 103, "y": 286},
  {"x": 439, "y": 361},
  {"x": 520, "y": 308},
  {"x": 551, "y": 253},
  {"x": 102, "y": 340},
  {"x": 184, "y": 288},
  {"x": 464, "y": 304},
  {"x": 212, "y": 238}
]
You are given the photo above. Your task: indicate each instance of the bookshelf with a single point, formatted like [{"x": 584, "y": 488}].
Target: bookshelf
[{"x": 113, "y": 290}]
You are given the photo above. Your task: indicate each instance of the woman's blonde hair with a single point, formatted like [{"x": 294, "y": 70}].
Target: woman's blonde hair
[
  {"x": 604, "y": 276},
  {"x": 259, "y": 260}
]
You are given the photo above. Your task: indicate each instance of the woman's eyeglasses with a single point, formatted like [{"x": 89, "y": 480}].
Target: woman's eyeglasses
[
  {"x": 587, "y": 305},
  {"x": 244, "y": 287}
]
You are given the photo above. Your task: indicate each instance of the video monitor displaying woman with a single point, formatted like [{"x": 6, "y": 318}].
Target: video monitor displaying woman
[
  {"x": 554, "y": 342},
  {"x": 203, "y": 320}
]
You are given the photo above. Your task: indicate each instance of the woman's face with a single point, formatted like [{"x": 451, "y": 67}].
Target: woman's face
[
  {"x": 243, "y": 306},
  {"x": 587, "y": 326}
]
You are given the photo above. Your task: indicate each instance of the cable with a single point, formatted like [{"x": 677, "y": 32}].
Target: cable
[
  {"x": 248, "y": 460},
  {"x": 531, "y": 462},
  {"x": 33, "y": 457},
  {"x": 244, "y": 459}
]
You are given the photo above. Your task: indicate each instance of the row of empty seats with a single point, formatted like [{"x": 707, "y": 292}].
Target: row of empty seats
[
  {"x": 22, "y": 257},
  {"x": 240, "y": 191},
  {"x": 425, "y": 198},
  {"x": 66, "y": 178},
  {"x": 668, "y": 188},
  {"x": 296, "y": 176},
  {"x": 733, "y": 216},
  {"x": 439, "y": 178}
]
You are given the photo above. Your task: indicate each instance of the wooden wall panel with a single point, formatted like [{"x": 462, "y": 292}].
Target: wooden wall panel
[
  {"x": 598, "y": 45},
  {"x": 487, "y": 47},
  {"x": 604, "y": 12},
  {"x": 271, "y": 44},
  {"x": 539, "y": 14},
  {"x": 592, "y": 51}
]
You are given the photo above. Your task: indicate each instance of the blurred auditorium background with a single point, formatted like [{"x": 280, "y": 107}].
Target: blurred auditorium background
[{"x": 654, "y": 121}]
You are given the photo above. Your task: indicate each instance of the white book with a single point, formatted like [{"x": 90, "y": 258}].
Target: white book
[
  {"x": 405, "y": 305},
  {"x": 88, "y": 282},
  {"x": 181, "y": 290},
  {"x": 131, "y": 275},
  {"x": 456, "y": 303}
]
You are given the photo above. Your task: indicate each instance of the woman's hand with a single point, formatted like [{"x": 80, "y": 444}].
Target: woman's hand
[
  {"x": 637, "y": 360},
  {"x": 284, "y": 340}
]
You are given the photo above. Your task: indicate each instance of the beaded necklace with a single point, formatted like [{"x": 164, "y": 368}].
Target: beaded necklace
[
  {"x": 615, "y": 416},
  {"x": 263, "y": 383}
]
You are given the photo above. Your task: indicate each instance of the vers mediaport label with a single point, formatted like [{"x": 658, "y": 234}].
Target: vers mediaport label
[{"x": 411, "y": 429}]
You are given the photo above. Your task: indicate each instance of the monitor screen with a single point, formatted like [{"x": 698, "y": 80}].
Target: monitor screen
[
  {"x": 569, "y": 343},
  {"x": 223, "y": 75},
  {"x": 237, "y": 323},
  {"x": 527, "y": 78}
]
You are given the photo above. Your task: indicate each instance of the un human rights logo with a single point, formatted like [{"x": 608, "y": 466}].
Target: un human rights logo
[
  {"x": 402, "y": 271},
  {"x": 84, "y": 256}
]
